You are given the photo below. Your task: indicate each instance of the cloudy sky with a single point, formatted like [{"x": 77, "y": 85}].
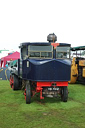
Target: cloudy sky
[{"x": 32, "y": 20}]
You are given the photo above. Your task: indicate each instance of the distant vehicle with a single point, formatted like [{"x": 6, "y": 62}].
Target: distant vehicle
[
  {"x": 44, "y": 67},
  {"x": 78, "y": 65}
]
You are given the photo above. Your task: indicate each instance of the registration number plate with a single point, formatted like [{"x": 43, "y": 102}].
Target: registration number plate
[{"x": 53, "y": 89}]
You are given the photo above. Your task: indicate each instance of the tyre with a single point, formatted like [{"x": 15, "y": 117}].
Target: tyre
[
  {"x": 20, "y": 84},
  {"x": 28, "y": 93},
  {"x": 10, "y": 81},
  {"x": 64, "y": 94},
  {"x": 15, "y": 80}
]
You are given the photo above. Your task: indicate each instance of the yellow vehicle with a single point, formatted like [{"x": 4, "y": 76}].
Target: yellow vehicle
[{"x": 78, "y": 65}]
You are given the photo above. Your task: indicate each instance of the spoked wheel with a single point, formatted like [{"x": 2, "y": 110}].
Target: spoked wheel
[
  {"x": 28, "y": 93},
  {"x": 15, "y": 82},
  {"x": 64, "y": 94}
]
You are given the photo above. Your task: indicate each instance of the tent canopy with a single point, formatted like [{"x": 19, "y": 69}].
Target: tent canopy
[
  {"x": 13, "y": 56},
  {"x": 78, "y": 48}
]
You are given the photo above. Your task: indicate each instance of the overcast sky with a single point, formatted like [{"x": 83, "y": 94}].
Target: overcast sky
[{"x": 32, "y": 20}]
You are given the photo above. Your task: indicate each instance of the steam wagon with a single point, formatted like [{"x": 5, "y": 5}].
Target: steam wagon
[{"x": 44, "y": 67}]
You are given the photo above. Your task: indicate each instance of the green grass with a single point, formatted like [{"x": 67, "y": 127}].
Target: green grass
[{"x": 47, "y": 113}]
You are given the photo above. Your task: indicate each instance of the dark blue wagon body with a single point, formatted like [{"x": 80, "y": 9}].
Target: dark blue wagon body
[{"x": 46, "y": 69}]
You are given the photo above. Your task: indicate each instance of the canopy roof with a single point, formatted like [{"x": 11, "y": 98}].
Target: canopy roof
[
  {"x": 41, "y": 44},
  {"x": 78, "y": 48},
  {"x": 15, "y": 55}
]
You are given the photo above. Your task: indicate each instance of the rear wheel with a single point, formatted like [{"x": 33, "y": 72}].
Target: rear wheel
[
  {"x": 15, "y": 82},
  {"x": 28, "y": 93},
  {"x": 64, "y": 94}
]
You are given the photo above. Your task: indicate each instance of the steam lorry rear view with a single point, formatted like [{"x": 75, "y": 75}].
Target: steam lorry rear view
[{"x": 44, "y": 67}]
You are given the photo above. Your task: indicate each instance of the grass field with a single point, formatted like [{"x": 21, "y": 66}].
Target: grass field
[{"x": 48, "y": 113}]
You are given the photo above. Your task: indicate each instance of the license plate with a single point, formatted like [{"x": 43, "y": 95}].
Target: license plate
[{"x": 53, "y": 89}]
